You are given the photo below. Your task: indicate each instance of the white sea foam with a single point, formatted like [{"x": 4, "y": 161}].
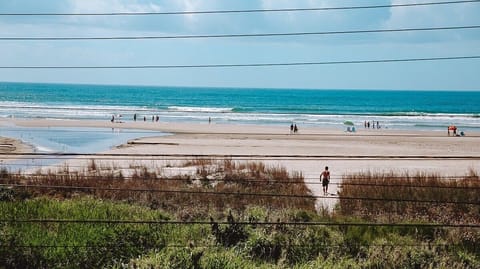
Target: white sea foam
[
  {"x": 200, "y": 109},
  {"x": 396, "y": 120}
]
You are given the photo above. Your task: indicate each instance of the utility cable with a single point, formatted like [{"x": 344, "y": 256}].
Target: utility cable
[
  {"x": 325, "y": 245},
  {"x": 242, "y": 65},
  {"x": 115, "y": 179},
  {"x": 163, "y": 156},
  {"x": 240, "y": 35},
  {"x": 295, "y": 223},
  {"x": 227, "y": 193},
  {"x": 244, "y": 10}
]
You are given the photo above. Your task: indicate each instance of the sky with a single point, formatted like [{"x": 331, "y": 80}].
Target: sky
[{"x": 434, "y": 75}]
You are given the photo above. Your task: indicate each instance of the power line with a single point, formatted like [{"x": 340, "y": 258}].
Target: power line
[
  {"x": 325, "y": 245},
  {"x": 164, "y": 112},
  {"x": 247, "y": 65},
  {"x": 170, "y": 222},
  {"x": 226, "y": 193},
  {"x": 239, "y": 35},
  {"x": 214, "y": 246},
  {"x": 248, "y": 181},
  {"x": 242, "y": 11},
  {"x": 163, "y": 156}
]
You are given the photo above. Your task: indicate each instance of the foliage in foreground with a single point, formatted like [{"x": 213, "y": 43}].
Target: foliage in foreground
[
  {"x": 191, "y": 191},
  {"x": 240, "y": 242},
  {"x": 81, "y": 245},
  {"x": 445, "y": 200}
]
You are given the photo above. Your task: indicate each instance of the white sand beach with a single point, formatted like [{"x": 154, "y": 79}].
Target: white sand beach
[{"x": 307, "y": 151}]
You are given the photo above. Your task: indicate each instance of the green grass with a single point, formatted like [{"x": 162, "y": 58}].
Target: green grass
[
  {"x": 231, "y": 245},
  {"x": 198, "y": 246}
]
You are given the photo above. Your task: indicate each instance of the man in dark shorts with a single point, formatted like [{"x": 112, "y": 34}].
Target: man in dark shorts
[{"x": 325, "y": 178}]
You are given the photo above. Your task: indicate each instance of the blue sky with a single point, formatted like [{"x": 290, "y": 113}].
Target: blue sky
[{"x": 453, "y": 75}]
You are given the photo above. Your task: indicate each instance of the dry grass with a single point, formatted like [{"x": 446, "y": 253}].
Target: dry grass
[
  {"x": 221, "y": 176},
  {"x": 412, "y": 187}
]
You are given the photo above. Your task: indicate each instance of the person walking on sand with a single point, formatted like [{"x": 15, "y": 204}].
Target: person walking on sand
[
  {"x": 291, "y": 128},
  {"x": 295, "y": 129},
  {"x": 325, "y": 178}
]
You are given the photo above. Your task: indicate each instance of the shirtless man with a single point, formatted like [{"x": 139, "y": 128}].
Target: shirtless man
[{"x": 325, "y": 178}]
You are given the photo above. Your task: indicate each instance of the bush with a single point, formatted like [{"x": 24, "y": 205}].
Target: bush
[
  {"x": 230, "y": 234},
  {"x": 266, "y": 248}
]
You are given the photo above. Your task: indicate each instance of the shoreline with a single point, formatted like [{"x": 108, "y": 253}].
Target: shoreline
[
  {"x": 12, "y": 145},
  {"x": 345, "y": 153},
  {"x": 218, "y": 128}
]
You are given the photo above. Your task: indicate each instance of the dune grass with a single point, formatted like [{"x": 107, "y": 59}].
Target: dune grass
[
  {"x": 403, "y": 188},
  {"x": 232, "y": 245},
  {"x": 210, "y": 178}
]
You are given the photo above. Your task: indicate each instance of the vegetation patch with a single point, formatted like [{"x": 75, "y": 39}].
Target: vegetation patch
[{"x": 102, "y": 218}]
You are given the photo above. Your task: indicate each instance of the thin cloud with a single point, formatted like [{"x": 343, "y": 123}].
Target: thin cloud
[{"x": 434, "y": 16}]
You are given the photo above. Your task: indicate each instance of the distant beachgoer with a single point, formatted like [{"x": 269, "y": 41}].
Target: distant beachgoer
[
  {"x": 452, "y": 128},
  {"x": 157, "y": 118},
  {"x": 373, "y": 124},
  {"x": 325, "y": 178},
  {"x": 144, "y": 118},
  {"x": 368, "y": 125},
  {"x": 135, "y": 117},
  {"x": 295, "y": 129},
  {"x": 209, "y": 120},
  {"x": 378, "y": 125},
  {"x": 113, "y": 118},
  {"x": 365, "y": 124},
  {"x": 291, "y": 128}
]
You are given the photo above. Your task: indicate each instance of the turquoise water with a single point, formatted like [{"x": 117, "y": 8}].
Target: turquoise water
[
  {"x": 69, "y": 139},
  {"x": 66, "y": 140},
  {"x": 422, "y": 110}
]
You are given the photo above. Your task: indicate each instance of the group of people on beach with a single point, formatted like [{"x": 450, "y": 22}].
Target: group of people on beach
[
  {"x": 454, "y": 129},
  {"x": 367, "y": 124},
  {"x": 155, "y": 118},
  {"x": 116, "y": 118},
  {"x": 293, "y": 128}
]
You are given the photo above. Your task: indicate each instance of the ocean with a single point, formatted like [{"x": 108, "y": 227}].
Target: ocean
[{"x": 399, "y": 110}]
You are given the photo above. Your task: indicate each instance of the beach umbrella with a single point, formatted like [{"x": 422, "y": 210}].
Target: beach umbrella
[{"x": 348, "y": 123}]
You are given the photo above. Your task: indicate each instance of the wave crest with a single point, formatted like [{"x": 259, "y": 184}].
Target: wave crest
[{"x": 200, "y": 109}]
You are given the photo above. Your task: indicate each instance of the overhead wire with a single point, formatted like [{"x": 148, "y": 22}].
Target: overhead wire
[
  {"x": 241, "y": 10},
  {"x": 173, "y": 156},
  {"x": 120, "y": 129},
  {"x": 237, "y": 193},
  {"x": 248, "y": 180},
  {"x": 468, "y": 57},
  {"x": 465, "y": 27},
  {"x": 257, "y": 223},
  {"x": 213, "y": 246}
]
